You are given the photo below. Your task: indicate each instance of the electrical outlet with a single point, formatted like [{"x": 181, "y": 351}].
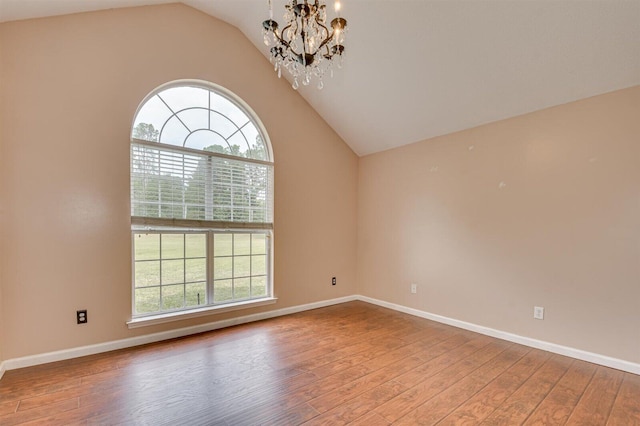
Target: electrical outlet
[
  {"x": 414, "y": 288},
  {"x": 538, "y": 312},
  {"x": 81, "y": 316},
  {"x": 333, "y": 281}
]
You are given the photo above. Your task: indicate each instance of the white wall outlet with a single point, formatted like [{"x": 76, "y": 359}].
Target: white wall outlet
[
  {"x": 414, "y": 288},
  {"x": 538, "y": 312}
]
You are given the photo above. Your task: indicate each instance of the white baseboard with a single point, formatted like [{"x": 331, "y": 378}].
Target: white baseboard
[
  {"x": 28, "y": 361},
  {"x": 538, "y": 344},
  {"x": 44, "y": 358}
]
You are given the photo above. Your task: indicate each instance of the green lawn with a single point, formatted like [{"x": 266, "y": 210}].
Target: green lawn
[{"x": 170, "y": 270}]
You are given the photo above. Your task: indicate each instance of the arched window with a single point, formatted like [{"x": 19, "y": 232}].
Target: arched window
[{"x": 201, "y": 201}]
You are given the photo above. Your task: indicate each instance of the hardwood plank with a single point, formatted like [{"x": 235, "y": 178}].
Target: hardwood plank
[
  {"x": 9, "y": 407},
  {"x": 21, "y": 388},
  {"x": 20, "y": 417},
  {"x": 626, "y": 410},
  {"x": 435, "y": 380},
  {"x": 359, "y": 406},
  {"x": 47, "y": 399},
  {"x": 328, "y": 390},
  {"x": 442, "y": 357},
  {"x": 598, "y": 398},
  {"x": 482, "y": 404},
  {"x": 370, "y": 419},
  {"x": 293, "y": 416},
  {"x": 448, "y": 400},
  {"x": 370, "y": 381},
  {"x": 518, "y": 406},
  {"x": 556, "y": 408}
]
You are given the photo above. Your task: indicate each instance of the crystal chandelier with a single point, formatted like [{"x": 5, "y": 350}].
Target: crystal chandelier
[{"x": 305, "y": 47}]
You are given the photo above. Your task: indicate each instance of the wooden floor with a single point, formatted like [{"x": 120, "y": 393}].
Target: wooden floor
[{"x": 352, "y": 363}]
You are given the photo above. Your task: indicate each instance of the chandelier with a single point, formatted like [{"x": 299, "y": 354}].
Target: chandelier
[{"x": 305, "y": 47}]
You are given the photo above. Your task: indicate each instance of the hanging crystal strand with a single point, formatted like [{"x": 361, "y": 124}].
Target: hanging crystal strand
[
  {"x": 307, "y": 78},
  {"x": 295, "y": 83}
]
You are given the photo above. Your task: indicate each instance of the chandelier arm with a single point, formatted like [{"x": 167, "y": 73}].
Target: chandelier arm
[
  {"x": 275, "y": 31},
  {"x": 282, "y": 40},
  {"x": 327, "y": 39},
  {"x": 327, "y": 55}
]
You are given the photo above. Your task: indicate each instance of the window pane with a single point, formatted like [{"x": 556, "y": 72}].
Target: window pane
[
  {"x": 258, "y": 244},
  {"x": 222, "y": 267},
  {"x": 172, "y": 296},
  {"x": 258, "y": 286},
  {"x": 241, "y": 266},
  {"x": 172, "y": 246},
  {"x": 255, "y": 140},
  {"x": 240, "y": 144},
  {"x": 223, "y": 125},
  {"x": 172, "y": 271},
  {"x": 226, "y": 107},
  {"x": 196, "y": 270},
  {"x": 223, "y": 244},
  {"x": 182, "y": 97},
  {"x": 241, "y": 288},
  {"x": 150, "y": 119},
  {"x": 195, "y": 119},
  {"x": 222, "y": 291},
  {"x": 196, "y": 245},
  {"x": 207, "y": 140},
  {"x": 196, "y": 294},
  {"x": 147, "y": 273},
  {"x": 147, "y": 300},
  {"x": 241, "y": 244},
  {"x": 258, "y": 265},
  {"x": 174, "y": 132},
  {"x": 147, "y": 246}
]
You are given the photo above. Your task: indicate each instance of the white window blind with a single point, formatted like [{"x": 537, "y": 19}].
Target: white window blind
[{"x": 177, "y": 183}]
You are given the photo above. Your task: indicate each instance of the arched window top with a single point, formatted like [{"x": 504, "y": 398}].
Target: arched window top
[{"x": 202, "y": 116}]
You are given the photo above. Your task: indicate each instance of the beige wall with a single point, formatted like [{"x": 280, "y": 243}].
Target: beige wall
[
  {"x": 562, "y": 232},
  {"x": 73, "y": 84}
]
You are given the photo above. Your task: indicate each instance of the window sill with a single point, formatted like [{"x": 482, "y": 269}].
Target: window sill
[{"x": 195, "y": 313}]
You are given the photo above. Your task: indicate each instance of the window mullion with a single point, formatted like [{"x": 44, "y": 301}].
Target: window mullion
[
  {"x": 184, "y": 271},
  {"x": 208, "y": 189},
  {"x": 210, "y": 267},
  {"x": 233, "y": 265},
  {"x": 160, "y": 268}
]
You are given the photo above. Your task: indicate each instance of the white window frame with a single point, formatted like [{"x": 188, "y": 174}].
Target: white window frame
[{"x": 142, "y": 224}]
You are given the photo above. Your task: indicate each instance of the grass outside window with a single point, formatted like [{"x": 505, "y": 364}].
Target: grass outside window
[{"x": 176, "y": 271}]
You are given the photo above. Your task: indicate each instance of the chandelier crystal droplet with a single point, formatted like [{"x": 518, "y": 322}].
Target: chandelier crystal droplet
[{"x": 305, "y": 47}]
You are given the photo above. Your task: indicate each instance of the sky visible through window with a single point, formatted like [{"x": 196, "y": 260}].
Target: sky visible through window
[{"x": 195, "y": 117}]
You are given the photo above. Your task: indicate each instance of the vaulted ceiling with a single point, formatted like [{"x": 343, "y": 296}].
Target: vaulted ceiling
[{"x": 415, "y": 69}]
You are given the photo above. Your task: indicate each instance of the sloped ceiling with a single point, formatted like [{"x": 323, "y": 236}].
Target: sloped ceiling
[{"x": 416, "y": 69}]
